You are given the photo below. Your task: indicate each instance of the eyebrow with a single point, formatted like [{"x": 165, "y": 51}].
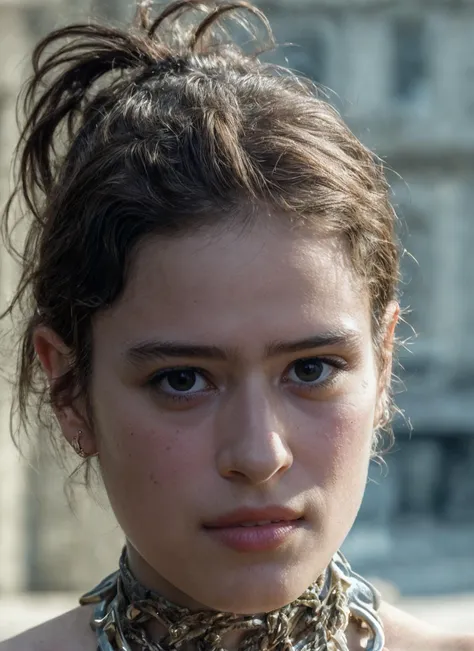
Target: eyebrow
[{"x": 150, "y": 350}]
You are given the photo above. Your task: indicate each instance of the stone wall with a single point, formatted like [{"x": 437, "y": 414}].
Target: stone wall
[
  {"x": 429, "y": 492},
  {"x": 44, "y": 544},
  {"x": 13, "y": 484}
]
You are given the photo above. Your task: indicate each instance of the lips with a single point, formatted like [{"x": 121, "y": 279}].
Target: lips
[
  {"x": 251, "y": 517},
  {"x": 259, "y": 524},
  {"x": 256, "y": 530}
]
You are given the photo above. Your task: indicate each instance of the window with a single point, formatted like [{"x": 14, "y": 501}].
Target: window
[
  {"x": 113, "y": 9},
  {"x": 465, "y": 278},
  {"x": 410, "y": 58},
  {"x": 414, "y": 206},
  {"x": 308, "y": 55}
]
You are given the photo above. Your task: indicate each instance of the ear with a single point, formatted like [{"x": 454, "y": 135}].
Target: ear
[
  {"x": 55, "y": 358},
  {"x": 389, "y": 324}
]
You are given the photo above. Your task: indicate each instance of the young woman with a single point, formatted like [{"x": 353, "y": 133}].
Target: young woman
[{"x": 209, "y": 294}]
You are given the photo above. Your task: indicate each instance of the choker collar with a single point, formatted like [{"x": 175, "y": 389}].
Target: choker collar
[{"x": 316, "y": 621}]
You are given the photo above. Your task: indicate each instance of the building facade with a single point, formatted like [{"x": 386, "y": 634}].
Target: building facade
[{"x": 402, "y": 73}]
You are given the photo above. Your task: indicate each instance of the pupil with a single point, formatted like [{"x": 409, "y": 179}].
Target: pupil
[
  {"x": 308, "y": 370},
  {"x": 182, "y": 380}
]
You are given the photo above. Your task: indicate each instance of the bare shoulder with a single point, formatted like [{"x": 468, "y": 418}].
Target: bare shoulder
[
  {"x": 70, "y": 631},
  {"x": 406, "y": 633}
]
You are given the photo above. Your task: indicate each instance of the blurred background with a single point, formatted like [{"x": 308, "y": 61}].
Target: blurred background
[{"x": 402, "y": 74}]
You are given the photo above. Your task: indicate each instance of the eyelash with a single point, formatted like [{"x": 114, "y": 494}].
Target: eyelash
[
  {"x": 337, "y": 364},
  {"x": 156, "y": 379}
]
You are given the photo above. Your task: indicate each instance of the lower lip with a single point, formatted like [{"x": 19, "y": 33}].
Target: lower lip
[{"x": 260, "y": 538}]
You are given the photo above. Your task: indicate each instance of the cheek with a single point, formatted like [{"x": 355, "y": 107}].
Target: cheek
[
  {"x": 336, "y": 465},
  {"x": 153, "y": 474},
  {"x": 353, "y": 428},
  {"x": 338, "y": 439},
  {"x": 350, "y": 453},
  {"x": 352, "y": 447},
  {"x": 143, "y": 452}
]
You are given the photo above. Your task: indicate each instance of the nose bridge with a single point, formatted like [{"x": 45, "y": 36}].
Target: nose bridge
[
  {"x": 254, "y": 444},
  {"x": 258, "y": 403}
]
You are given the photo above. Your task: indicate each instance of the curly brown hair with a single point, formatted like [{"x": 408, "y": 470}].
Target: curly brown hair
[{"x": 161, "y": 129}]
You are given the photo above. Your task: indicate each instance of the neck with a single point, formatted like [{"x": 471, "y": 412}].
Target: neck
[
  {"x": 135, "y": 617},
  {"x": 144, "y": 575},
  {"x": 320, "y": 612}
]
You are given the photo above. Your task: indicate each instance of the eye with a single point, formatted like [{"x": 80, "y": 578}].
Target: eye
[
  {"x": 180, "y": 381},
  {"x": 312, "y": 371}
]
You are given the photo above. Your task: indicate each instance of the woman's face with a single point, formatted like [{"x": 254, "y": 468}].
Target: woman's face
[{"x": 235, "y": 381}]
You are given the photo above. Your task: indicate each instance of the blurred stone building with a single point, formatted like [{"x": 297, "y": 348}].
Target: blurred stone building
[
  {"x": 43, "y": 544},
  {"x": 402, "y": 73}
]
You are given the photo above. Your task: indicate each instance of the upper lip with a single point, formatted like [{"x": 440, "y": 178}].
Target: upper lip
[{"x": 247, "y": 515}]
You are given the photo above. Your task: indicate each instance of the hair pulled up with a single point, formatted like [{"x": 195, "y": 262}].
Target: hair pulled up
[{"x": 161, "y": 129}]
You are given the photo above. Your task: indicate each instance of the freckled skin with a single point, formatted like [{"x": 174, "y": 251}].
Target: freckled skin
[
  {"x": 254, "y": 441},
  {"x": 249, "y": 431}
]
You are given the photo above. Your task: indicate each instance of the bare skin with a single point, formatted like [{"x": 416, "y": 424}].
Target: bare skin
[
  {"x": 241, "y": 310},
  {"x": 250, "y": 429}
]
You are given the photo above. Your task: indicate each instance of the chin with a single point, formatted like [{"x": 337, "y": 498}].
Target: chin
[{"x": 259, "y": 596}]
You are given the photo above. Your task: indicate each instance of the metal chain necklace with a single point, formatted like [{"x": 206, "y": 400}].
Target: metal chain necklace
[{"x": 316, "y": 621}]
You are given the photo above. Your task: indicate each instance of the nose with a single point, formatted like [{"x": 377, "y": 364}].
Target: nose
[{"x": 253, "y": 445}]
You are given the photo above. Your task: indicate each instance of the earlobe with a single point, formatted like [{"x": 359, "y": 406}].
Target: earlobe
[
  {"x": 81, "y": 440},
  {"x": 76, "y": 444},
  {"x": 55, "y": 359}
]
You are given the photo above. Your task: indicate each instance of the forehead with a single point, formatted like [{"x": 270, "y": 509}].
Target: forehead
[{"x": 266, "y": 281}]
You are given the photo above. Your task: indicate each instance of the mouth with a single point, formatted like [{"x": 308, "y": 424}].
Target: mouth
[
  {"x": 250, "y": 517},
  {"x": 255, "y": 530},
  {"x": 263, "y": 523}
]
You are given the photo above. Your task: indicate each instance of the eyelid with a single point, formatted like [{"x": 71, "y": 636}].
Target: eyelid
[
  {"x": 156, "y": 378},
  {"x": 338, "y": 363},
  {"x": 154, "y": 381},
  {"x": 332, "y": 360},
  {"x": 163, "y": 372}
]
